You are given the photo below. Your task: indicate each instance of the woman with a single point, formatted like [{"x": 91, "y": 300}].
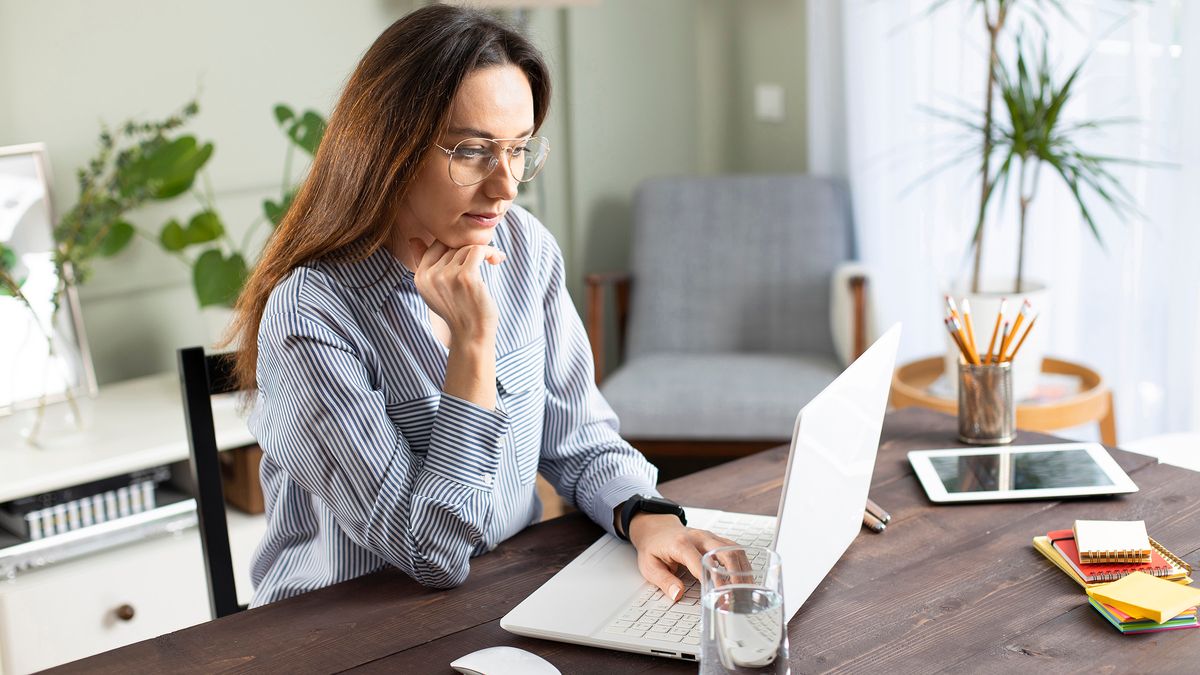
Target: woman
[{"x": 416, "y": 357}]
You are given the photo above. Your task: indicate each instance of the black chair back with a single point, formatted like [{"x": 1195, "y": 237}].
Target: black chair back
[{"x": 201, "y": 377}]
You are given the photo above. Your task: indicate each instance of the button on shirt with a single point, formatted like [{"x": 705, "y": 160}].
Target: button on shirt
[{"x": 368, "y": 463}]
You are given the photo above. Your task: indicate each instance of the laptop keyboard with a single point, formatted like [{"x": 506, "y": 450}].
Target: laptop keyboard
[{"x": 651, "y": 616}]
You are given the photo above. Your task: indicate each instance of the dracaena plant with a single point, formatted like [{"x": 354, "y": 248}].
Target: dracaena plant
[
  {"x": 1028, "y": 130},
  {"x": 1034, "y": 134}
]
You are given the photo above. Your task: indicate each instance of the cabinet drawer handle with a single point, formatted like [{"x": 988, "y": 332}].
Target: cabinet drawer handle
[{"x": 124, "y": 612}]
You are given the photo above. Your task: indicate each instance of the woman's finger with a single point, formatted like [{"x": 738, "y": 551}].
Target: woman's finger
[
  {"x": 433, "y": 254},
  {"x": 657, "y": 572},
  {"x": 496, "y": 256},
  {"x": 474, "y": 257},
  {"x": 688, "y": 554},
  {"x": 489, "y": 253}
]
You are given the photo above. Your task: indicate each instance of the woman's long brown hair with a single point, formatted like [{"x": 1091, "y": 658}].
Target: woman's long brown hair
[{"x": 395, "y": 104}]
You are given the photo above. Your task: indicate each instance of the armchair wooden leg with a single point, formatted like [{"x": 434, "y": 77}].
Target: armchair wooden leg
[{"x": 858, "y": 290}]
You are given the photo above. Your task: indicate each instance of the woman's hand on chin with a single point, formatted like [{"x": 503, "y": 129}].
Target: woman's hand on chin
[{"x": 451, "y": 283}]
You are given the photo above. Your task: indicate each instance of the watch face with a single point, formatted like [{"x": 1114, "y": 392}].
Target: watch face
[{"x": 659, "y": 505}]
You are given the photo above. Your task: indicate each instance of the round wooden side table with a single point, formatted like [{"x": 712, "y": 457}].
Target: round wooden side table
[{"x": 1093, "y": 402}]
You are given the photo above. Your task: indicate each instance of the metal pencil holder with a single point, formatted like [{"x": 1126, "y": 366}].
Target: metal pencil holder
[{"x": 986, "y": 414}]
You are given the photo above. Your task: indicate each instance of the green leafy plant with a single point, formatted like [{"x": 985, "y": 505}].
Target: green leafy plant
[
  {"x": 136, "y": 164},
  {"x": 140, "y": 163},
  {"x": 1035, "y": 134},
  {"x": 218, "y": 263},
  {"x": 1031, "y": 131}
]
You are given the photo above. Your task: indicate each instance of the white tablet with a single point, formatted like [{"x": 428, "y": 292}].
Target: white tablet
[{"x": 1019, "y": 472}]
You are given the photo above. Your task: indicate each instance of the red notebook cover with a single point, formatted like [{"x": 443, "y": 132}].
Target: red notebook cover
[{"x": 1064, "y": 542}]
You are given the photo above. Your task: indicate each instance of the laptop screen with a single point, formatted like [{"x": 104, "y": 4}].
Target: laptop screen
[{"x": 829, "y": 470}]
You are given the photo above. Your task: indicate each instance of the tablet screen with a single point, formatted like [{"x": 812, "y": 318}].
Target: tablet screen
[{"x": 1016, "y": 470}]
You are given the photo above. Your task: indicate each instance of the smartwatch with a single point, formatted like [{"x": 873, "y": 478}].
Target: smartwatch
[{"x": 645, "y": 504}]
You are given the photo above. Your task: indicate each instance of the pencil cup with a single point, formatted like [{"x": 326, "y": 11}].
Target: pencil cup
[{"x": 986, "y": 414}]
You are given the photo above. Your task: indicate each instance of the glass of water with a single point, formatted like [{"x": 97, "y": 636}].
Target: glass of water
[{"x": 741, "y": 595}]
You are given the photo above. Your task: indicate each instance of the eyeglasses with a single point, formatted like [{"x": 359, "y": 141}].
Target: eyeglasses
[{"x": 474, "y": 159}]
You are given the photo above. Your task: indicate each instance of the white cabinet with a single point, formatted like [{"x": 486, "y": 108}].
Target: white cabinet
[
  {"x": 102, "y": 600},
  {"x": 88, "y": 605}
]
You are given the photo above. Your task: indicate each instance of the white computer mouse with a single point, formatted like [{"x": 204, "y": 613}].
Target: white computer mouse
[{"x": 503, "y": 661}]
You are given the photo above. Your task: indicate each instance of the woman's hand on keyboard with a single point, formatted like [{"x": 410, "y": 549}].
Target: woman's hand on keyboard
[{"x": 664, "y": 545}]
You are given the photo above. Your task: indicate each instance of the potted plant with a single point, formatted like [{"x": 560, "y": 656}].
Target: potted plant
[
  {"x": 1023, "y": 130},
  {"x": 136, "y": 164},
  {"x": 219, "y": 262}
]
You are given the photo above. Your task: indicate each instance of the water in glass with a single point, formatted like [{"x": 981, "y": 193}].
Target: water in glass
[{"x": 742, "y": 620}]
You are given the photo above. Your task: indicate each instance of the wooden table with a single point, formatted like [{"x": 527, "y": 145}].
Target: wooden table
[
  {"x": 1092, "y": 403},
  {"x": 944, "y": 589}
]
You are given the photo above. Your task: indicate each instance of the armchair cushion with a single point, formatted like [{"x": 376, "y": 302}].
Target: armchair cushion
[
  {"x": 715, "y": 396},
  {"x": 736, "y": 264}
]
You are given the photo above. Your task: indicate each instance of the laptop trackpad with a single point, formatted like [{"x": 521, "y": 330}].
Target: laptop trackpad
[{"x": 581, "y": 598}]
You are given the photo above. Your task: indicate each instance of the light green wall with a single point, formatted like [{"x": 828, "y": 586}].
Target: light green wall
[
  {"x": 768, "y": 45},
  {"x": 70, "y": 64},
  {"x": 633, "y": 89},
  {"x": 641, "y": 89}
]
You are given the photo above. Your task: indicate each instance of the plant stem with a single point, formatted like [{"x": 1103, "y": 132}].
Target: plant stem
[
  {"x": 993, "y": 29},
  {"x": 250, "y": 232},
  {"x": 1026, "y": 200}
]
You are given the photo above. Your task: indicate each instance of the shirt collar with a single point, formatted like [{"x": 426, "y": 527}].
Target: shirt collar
[{"x": 374, "y": 276}]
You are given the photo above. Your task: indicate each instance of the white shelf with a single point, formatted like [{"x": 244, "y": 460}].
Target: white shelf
[{"x": 131, "y": 425}]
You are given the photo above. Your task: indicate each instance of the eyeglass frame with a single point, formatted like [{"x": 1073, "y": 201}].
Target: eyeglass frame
[{"x": 507, "y": 150}]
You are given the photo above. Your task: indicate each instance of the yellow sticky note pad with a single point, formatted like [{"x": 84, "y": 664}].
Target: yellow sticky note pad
[{"x": 1143, "y": 595}]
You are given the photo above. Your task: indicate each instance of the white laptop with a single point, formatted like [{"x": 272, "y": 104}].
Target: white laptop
[{"x": 600, "y": 599}]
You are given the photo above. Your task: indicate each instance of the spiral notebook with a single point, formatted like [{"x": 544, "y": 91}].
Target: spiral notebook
[
  {"x": 1112, "y": 541},
  {"x": 1163, "y": 563}
]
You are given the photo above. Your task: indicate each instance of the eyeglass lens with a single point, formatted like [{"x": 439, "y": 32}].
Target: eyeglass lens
[{"x": 474, "y": 159}]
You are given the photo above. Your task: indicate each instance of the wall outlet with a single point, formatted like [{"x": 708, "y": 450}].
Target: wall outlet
[{"x": 768, "y": 102}]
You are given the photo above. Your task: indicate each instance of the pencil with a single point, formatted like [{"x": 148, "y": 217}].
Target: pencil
[
  {"x": 1003, "y": 339},
  {"x": 953, "y": 308},
  {"x": 877, "y": 511},
  {"x": 966, "y": 313},
  {"x": 1025, "y": 307},
  {"x": 972, "y": 357},
  {"x": 1023, "y": 336},
  {"x": 872, "y": 523},
  {"x": 957, "y": 340},
  {"x": 996, "y": 330}
]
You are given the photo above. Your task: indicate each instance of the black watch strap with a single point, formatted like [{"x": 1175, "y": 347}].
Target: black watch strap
[{"x": 644, "y": 504}]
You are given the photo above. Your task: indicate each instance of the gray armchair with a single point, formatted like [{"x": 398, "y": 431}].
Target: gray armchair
[{"x": 742, "y": 304}]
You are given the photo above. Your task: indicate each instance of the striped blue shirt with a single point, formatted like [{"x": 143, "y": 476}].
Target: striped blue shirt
[{"x": 368, "y": 463}]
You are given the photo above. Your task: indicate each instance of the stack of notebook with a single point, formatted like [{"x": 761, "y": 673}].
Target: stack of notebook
[{"x": 1117, "y": 557}]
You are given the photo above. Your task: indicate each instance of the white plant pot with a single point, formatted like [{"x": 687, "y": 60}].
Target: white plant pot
[{"x": 1027, "y": 367}]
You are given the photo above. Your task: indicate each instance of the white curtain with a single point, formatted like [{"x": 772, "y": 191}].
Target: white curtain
[{"x": 1129, "y": 309}]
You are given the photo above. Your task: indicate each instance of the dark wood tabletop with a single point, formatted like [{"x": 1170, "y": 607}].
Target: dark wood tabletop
[{"x": 944, "y": 589}]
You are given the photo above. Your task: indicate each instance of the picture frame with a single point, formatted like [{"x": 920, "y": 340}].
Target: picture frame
[{"x": 44, "y": 355}]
